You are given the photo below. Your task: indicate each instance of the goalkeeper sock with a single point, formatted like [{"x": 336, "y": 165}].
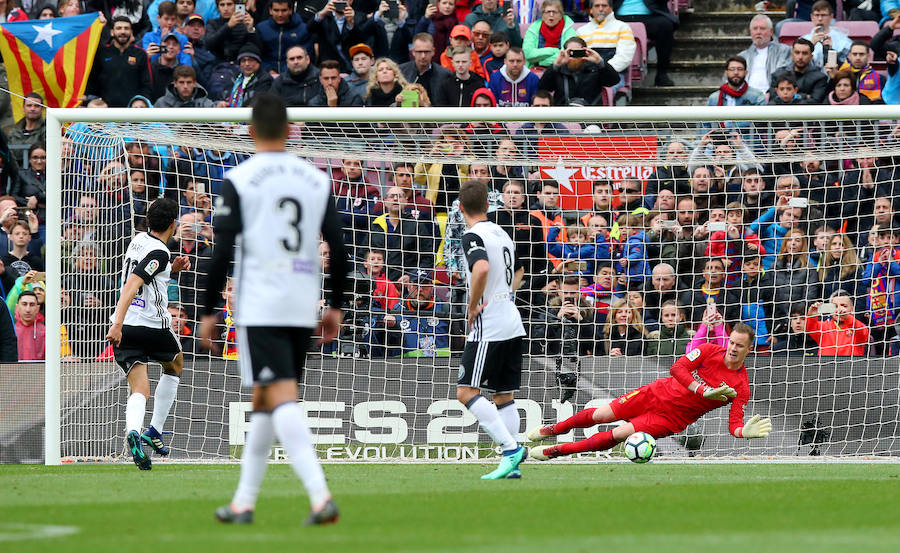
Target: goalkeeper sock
[
  {"x": 163, "y": 398},
  {"x": 597, "y": 442},
  {"x": 134, "y": 412},
  {"x": 510, "y": 417},
  {"x": 294, "y": 435},
  {"x": 254, "y": 461},
  {"x": 581, "y": 419},
  {"x": 489, "y": 418}
]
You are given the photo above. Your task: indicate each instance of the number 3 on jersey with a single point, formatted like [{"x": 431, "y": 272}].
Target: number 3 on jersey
[{"x": 292, "y": 242}]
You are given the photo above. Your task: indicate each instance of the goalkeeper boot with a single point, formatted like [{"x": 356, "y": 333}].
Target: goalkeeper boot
[
  {"x": 328, "y": 514},
  {"x": 508, "y": 463},
  {"x": 133, "y": 441},
  {"x": 153, "y": 438},
  {"x": 229, "y": 516},
  {"x": 544, "y": 452},
  {"x": 540, "y": 433}
]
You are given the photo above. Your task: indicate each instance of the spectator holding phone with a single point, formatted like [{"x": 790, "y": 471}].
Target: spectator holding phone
[
  {"x": 501, "y": 20},
  {"x": 439, "y": 20},
  {"x": 825, "y": 37},
  {"x": 835, "y": 329},
  {"x": 226, "y": 35},
  {"x": 578, "y": 75},
  {"x": 154, "y": 42}
]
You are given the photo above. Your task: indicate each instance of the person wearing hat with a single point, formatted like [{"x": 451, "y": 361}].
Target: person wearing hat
[
  {"x": 282, "y": 30},
  {"x": 226, "y": 35},
  {"x": 338, "y": 31},
  {"x": 152, "y": 41},
  {"x": 163, "y": 67},
  {"x": 251, "y": 81},
  {"x": 362, "y": 58},
  {"x": 419, "y": 326},
  {"x": 461, "y": 37},
  {"x": 204, "y": 61},
  {"x": 121, "y": 70}
]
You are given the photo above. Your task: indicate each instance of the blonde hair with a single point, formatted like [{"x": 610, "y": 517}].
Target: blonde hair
[
  {"x": 849, "y": 260},
  {"x": 782, "y": 253},
  {"x": 637, "y": 321},
  {"x": 373, "y": 75}
]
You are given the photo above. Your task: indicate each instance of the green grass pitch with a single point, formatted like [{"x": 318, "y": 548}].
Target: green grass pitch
[{"x": 447, "y": 508}]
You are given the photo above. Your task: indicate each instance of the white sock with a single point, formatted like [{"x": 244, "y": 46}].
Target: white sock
[
  {"x": 134, "y": 412},
  {"x": 294, "y": 435},
  {"x": 510, "y": 417},
  {"x": 254, "y": 461},
  {"x": 163, "y": 398},
  {"x": 489, "y": 418}
]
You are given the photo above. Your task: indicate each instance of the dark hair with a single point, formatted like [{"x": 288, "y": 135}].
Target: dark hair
[
  {"x": 122, "y": 19},
  {"x": 601, "y": 183},
  {"x": 516, "y": 50},
  {"x": 804, "y": 42},
  {"x": 545, "y": 94},
  {"x": 25, "y": 294},
  {"x": 500, "y": 36},
  {"x": 798, "y": 309},
  {"x": 330, "y": 64},
  {"x": 745, "y": 329},
  {"x": 36, "y": 146},
  {"x": 740, "y": 59},
  {"x": 577, "y": 40},
  {"x": 473, "y": 196},
  {"x": 862, "y": 43},
  {"x": 183, "y": 71},
  {"x": 786, "y": 76},
  {"x": 269, "y": 118},
  {"x": 35, "y": 96},
  {"x": 844, "y": 74},
  {"x": 822, "y": 5},
  {"x": 376, "y": 250},
  {"x": 570, "y": 279},
  {"x": 166, "y": 8},
  {"x": 161, "y": 213}
]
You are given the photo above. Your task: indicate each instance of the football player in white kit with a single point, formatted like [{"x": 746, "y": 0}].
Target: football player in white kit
[
  {"x": 492, "y": 359},
  {"x": 141, "y": 329},
  {"x": 278, "y": 204}
]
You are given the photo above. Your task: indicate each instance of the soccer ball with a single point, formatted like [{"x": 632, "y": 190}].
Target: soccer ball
[{"x": 640, "y": 447}]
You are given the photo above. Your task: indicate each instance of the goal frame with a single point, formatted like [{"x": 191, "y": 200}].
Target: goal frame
[{"x": 56, "y": 118}]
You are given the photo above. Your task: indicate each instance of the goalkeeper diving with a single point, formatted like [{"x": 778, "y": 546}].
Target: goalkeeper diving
[{"x": 704, "y": 379}]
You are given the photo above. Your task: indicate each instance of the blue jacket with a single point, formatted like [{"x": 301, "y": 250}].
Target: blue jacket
[
  {"x": 155, "y": 37},
  {"x": 587, "y": 253},
  {"x": 277, "y": 39},
  {"x": 635, "y": 251},
  {"x": 423, "y": 332},
  {"x": 770, "y": 235}
]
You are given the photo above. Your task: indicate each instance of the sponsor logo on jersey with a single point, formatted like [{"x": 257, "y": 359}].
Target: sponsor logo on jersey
[
  {"x": 628, "y": 396},
  {"x": 138, "y": 302},
  {"x": 432, "y": 321},
  {"x": 131, "y": 60},
  {"x": 693, "y": 354},
  {"x": 404, "y": 325},
  {"x": 152, "y": 266},
  {"x": 266, "y": 374},
  {"x": 474, "y": 247}
]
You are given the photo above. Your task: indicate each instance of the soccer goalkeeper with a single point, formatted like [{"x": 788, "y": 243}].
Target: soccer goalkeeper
[{"x": 704, "y": 379}]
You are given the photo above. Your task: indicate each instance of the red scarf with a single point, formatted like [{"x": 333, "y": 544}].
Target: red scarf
[
  {"x": 726, "y": 89},
  {"x": 552, "y": 35}
]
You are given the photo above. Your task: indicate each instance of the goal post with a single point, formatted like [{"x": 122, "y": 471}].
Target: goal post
[{"x": 380, "y": 398}]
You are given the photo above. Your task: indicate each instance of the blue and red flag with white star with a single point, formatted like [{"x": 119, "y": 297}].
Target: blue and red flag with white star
[{"x": 52, "y": 57}]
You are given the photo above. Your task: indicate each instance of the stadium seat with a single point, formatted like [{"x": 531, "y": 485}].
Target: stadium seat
[
  {"x": 792, "y": 30},
  {"x": 856, "y": 30},
  {"x": 639, "y": 63}
]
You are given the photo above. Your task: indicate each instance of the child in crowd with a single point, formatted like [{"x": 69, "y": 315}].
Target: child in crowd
[
  {"x": 601, "y": 294},
  {"x": 673, "y": 336},
  {"x": 633, "y": 260},
  {"x": 385, "y": 295},
  {"x": 733, "y": 243},
  {"x": 796, "y": 341},
  {"x": 579, "y": 256},
  {"x": 624, "y": 333}
]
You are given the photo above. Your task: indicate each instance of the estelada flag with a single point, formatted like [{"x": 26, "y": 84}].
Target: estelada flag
[{"x": 52, "y": 57}]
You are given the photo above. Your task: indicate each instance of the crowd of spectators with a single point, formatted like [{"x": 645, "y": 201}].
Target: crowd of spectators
[{"x": 730, "y": 227}]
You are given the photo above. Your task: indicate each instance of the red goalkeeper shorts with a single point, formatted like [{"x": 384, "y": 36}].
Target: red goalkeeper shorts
[{"x": 644, "y": 411}]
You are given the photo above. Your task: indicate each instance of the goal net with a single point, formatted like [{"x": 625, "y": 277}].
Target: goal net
[{"x": 643, "y": 232}]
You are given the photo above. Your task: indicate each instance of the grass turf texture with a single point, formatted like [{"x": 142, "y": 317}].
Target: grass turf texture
[{"x": 447, "y": 508}]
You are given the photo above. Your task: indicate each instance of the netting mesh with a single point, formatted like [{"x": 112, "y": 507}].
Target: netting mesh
[{"x": 638, "y": 238}]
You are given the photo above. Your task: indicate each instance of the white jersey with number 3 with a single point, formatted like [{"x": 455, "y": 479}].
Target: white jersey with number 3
[
  {"x": 499, "y": 319},
  {"x": 283, "y": 200}
]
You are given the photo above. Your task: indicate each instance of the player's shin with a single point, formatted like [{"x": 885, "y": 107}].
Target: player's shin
[
  {"x": 254, "y": 461},
  {"x": 581, "y": 419},
  {"x": 163, "y": 398},
  {"x": 294, "y": 435},
  {"x": 490, "y": 421},
  {"x": 134, "y": 412},
  {"x": 510, "y": 417},
  {"x": 597, "y": 442}
]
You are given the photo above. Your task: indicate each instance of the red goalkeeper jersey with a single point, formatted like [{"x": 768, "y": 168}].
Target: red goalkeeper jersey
[{"x": 705, "y": 365}]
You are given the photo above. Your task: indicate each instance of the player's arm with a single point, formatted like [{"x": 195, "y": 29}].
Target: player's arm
[
  {"x": 519, "y": 275},
  {"x": 754, "y": 427},
  {"x": 228, "y": 225},
  {"x": 339, "y": 267},
  {"x": 479, "y": 266},
  {"x": 690, "y": 361},
  {"x": 155, "y": 263}
]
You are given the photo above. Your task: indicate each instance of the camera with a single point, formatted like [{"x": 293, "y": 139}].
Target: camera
[
  {"x": 163, "y": 49},
  {"x": 340, "y": 6},
  {"x": 393, "y": 9},
  {"x": 577, "y": 53}
]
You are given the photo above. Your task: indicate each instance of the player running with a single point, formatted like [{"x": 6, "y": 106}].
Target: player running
[
  {"x": 142, "y": 329},
  {"x": 279, "y": 205},
  {"x": 492, "y": 359},
  {"x": 704, "y": 379}
]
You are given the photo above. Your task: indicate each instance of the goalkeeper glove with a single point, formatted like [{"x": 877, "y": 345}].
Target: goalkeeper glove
[
  {"x": 755, "y": 428},
  {"x": 722, "y": 393}
]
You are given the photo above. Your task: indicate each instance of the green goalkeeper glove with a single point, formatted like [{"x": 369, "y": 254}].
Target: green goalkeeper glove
[
  {"x": 722, "y": 393},
  {"x": 755, "y": 428}
]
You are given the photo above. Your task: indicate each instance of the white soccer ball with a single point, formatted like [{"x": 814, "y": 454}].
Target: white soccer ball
[{"x": 640, "y": 447}]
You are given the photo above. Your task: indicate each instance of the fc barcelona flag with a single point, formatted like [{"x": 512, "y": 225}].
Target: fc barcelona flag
[{"x": 52, "y": 57}]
